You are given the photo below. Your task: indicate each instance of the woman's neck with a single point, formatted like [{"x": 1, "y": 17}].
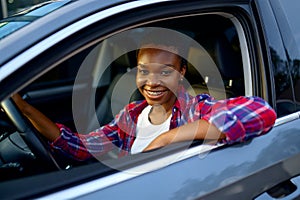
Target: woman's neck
[{"x": 158, "y": 114}]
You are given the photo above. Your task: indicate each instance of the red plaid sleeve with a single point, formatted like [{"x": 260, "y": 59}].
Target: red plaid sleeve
[{"x": 241, "y": 118}]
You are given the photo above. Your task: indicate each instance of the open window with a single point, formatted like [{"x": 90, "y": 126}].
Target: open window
[{"x": 89, "y": 87}]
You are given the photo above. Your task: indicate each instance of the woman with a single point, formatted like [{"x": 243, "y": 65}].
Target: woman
[{"x": 167, "y": 115}]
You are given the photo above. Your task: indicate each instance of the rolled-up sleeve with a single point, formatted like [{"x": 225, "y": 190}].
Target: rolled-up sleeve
[
  {"x": 118, "y": 134},
  {"x": 84, "y": 146},
  {"x": 241, "y": 118}
]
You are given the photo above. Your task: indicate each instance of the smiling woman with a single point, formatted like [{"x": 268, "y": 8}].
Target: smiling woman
[{"x": 179, "y": 116}]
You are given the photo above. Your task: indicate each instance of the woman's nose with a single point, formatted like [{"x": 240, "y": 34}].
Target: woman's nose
[{"x": 153, "y": 79}]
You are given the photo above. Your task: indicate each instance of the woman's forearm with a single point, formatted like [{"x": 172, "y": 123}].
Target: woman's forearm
[
  {"x": 42, "y": 123},
  {"x": 199, "y": 129}
]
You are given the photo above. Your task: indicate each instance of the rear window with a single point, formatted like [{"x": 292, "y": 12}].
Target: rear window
[
  {"x": 14, "y": 23},
  {"x": 292, "y": 43}
]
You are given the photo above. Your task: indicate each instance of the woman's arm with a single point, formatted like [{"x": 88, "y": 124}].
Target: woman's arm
[
  {"x": 234, "y": 120},
  {"x": 75, "y": 145},
  {"x": 42, "y": 123},
  {"x": 199, "y": 129}
]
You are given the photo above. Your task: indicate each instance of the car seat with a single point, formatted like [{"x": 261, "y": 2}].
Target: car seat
[{"x": 227, "y": 63}]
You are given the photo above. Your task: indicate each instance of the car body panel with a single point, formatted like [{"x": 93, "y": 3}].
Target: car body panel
[{"x": 214, "y": 173}]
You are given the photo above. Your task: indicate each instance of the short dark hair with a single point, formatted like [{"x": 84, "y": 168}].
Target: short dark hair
[{"x": 168, "y": 38}]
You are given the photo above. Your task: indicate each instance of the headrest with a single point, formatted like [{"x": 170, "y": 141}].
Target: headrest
[
  {"x": 225, "y": 58},
  {"x": 228, "y": 61}
]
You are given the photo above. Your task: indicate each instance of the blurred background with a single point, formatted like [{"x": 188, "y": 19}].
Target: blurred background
[{"x": 11, "y": 7}]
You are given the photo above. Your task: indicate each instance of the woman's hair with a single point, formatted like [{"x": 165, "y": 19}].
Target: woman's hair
[{"x": 174, "y": 41}]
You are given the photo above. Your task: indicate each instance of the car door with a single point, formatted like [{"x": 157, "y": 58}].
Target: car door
[
  {"x": 234, "y": 171},
  {"x": 284, "y": 48}
]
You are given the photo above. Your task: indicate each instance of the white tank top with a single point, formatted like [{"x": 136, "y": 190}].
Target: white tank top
[{"x": 146, "y": 132}]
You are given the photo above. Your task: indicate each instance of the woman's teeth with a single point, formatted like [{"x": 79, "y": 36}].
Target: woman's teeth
[{"x": 154, "y": 93}]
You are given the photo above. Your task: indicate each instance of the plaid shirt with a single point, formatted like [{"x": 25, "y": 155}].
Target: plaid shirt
[{"x": 238, "y": 118}]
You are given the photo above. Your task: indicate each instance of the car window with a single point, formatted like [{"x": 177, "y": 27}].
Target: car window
[
  {"x": 27, "y": 16},
  {"x": 293, "y": 45},
  {"x": 87, "y": 89},
  {"x": 11, "y": 8},
  {"x": 285, "y": 58},
  {"x": 215, "y": 67}
]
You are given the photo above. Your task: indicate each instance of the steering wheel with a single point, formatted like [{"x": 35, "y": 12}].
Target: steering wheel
[{"x": 29, "y": 134}]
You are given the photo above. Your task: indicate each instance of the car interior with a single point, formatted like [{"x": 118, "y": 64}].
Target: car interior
[{"x": 53, "y": 92}]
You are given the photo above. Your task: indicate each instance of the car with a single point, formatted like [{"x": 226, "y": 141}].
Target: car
[{"x": 76, "y": 64}]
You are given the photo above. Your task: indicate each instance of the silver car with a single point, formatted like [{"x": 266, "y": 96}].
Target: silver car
[{"x": 75, "y": 61}]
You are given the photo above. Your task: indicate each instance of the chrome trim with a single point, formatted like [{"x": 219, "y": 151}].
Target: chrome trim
[
  {"x": 288, "y": 118},
  {"x": 26, "y": 56},
  {"x": 245, "y": 57}
]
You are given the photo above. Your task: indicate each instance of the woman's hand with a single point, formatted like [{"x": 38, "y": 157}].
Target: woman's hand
[
  {"x": 42, "y": 123},
  {"x": 161, "y": 141}
]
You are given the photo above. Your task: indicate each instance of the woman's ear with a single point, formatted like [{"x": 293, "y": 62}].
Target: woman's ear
[
  {"x": 183, "y": 66},
  {"x": 183, "y": 70}
]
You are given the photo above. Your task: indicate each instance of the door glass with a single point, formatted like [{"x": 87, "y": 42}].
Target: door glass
[
  {"x": 292, "y": 42},
  {"x": 280, "y": 64}
]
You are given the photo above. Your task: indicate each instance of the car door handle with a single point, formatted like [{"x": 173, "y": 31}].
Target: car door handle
[{"x": 286, "y": 190}]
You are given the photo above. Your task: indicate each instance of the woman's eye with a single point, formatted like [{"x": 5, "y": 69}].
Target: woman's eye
[
  {"x": 166, "y": 72},
  {"x": 143, "y": 72}
]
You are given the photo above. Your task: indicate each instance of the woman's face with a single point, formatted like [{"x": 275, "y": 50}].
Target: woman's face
[{"x": 158, "y": 76}]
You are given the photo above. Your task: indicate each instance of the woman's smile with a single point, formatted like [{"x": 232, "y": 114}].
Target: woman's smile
[{"x": 154, "y": 94}]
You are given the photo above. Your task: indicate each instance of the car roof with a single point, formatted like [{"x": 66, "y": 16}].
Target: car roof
[{"x": 34, "y": 32}]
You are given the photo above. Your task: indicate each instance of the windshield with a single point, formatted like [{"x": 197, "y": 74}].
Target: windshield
[{"x": 12, "y": 24}]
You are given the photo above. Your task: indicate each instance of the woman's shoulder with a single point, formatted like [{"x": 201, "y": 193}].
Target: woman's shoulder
[{"x": 136, "y": 105}]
